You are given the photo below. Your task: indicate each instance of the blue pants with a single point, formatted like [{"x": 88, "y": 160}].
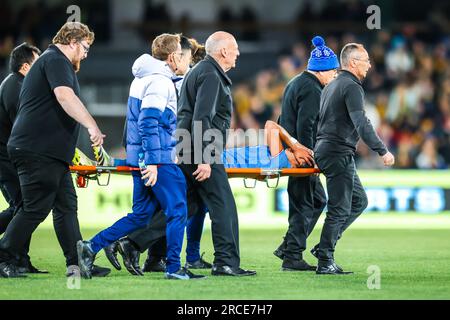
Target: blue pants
[
  {"x": 194, "y": 231},
  {"x": 169, "y": 193}
]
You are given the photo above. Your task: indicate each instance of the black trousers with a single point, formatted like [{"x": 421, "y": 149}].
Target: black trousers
[
  {"x": 46, "y": 184},
  {"x": 216, "y": 194},
  {"x": 153, "y": 236},
  {"x": 307, "y": 199},
  {"x": 347, "y": 199},
  {"x": 10, "y": 188}
]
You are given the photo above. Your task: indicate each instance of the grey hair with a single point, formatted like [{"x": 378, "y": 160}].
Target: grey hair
[
  {"x": 213, "y": 46},
  {"x": 347, "y": 52}
]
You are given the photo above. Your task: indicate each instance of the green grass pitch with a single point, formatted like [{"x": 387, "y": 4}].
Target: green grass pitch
[{"x": 413, "y": 263}]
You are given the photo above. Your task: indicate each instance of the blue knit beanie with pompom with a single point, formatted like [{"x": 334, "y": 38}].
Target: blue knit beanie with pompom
[{"x": 322, "y": 58}]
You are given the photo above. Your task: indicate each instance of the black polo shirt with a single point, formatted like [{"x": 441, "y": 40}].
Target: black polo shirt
[
  {"x": 9, "y": 103},
  {"x": 42, "y": 126}
]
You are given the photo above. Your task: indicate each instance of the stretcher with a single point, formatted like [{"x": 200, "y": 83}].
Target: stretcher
[{"x": 86, "y": 173}]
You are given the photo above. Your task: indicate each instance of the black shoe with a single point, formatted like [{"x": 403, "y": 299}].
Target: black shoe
[
  {"x": 331, "y": 269},
  {"x": 99, "y": 272},
  {"x": 130, "y": 256},
  {"x": 154, "y": 264},
  {"x": 279, "y": 252},
  {"x": 183, "y": 274},
  {"x": 199, "y": 264},
  {"x": 86, "y": 258},
  {"x": 296, "y": 265},
  {"x": 9, "y": 270},
  {"x": 228, "y": 271},
  {"x": 315, "y": 252},
  {"x": 111, "y": 254},
  {"x": 27, "y": 267}
]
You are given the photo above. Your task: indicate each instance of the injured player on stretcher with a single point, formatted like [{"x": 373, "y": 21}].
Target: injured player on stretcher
[{"x": 272, "y": 155}]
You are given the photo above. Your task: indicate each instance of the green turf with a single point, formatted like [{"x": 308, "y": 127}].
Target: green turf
[{"x": 414, "y": 264}]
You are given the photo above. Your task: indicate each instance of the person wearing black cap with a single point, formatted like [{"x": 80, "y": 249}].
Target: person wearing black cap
[
  {"x": 342, "y": 122},
  {"x": 299, "y": 116}
]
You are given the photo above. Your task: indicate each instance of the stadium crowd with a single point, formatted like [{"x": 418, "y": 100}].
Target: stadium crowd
[{"x": 407, "y": 89}]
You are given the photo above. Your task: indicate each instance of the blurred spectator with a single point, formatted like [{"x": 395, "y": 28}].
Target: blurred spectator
[
  {"x": 260, "y": 110},
  {"x": 398, "y": 59},
  {"x": 407, "y": 89},
  {"x": 242, "y": 98},
  {"x": 405, "y": 153},
  {"x": 428, "y": 157},
  {"x": 403, "y": 102},
  {"x": 372, "y": 114},
  {"x": 300, "y": 56},
  {"x": 287, "y": 68}
]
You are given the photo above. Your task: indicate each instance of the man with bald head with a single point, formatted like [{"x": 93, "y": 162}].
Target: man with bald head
[
  {"x": 342, "y": 122},
  {"x": 205, "y": 106}
]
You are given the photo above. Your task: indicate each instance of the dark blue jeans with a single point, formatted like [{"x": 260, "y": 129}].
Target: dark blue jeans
[
  {"x": 169, "y": 194},
  {"x": 194, "y": 232}
]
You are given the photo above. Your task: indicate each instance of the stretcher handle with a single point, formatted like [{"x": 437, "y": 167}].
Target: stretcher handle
[
  {"x": 248, "y": 186},
  {"x": 107, "y": 180},
  {"x": 274, "y": 186}
]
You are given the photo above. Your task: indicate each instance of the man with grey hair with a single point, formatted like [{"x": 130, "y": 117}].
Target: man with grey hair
[
  {"x": 205, "y": 103},
  {"x": 342, "y": 122}
]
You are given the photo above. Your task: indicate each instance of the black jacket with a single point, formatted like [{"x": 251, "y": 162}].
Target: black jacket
[
  {"x": 342, "y": 119},
  {"x": 205, "y": 98},
  {"x": 300, "y": 108},
  {"x": 9, "y": 104}
]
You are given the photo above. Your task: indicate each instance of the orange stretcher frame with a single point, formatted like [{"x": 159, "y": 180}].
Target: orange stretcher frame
[{"x": 86, "y": 173}]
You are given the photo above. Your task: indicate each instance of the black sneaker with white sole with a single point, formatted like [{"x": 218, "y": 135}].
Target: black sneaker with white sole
[
  {"x": 331, "y": 269},
  {"x": 199, "y": 264},
  {"x": 184, "y": 274}
]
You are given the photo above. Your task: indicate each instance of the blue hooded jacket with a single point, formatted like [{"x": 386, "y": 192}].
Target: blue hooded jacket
[{"x": 151, "y": 115}]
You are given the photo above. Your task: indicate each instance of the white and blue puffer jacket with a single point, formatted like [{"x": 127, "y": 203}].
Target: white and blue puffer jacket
[{"x": 151, "y": 115}]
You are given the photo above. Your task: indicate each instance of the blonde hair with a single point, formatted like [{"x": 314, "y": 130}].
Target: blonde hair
[
  {"x": 198, "y": 51},
  {"x": 165, "y": 44},
  {"x": 73, "y": 31}
]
